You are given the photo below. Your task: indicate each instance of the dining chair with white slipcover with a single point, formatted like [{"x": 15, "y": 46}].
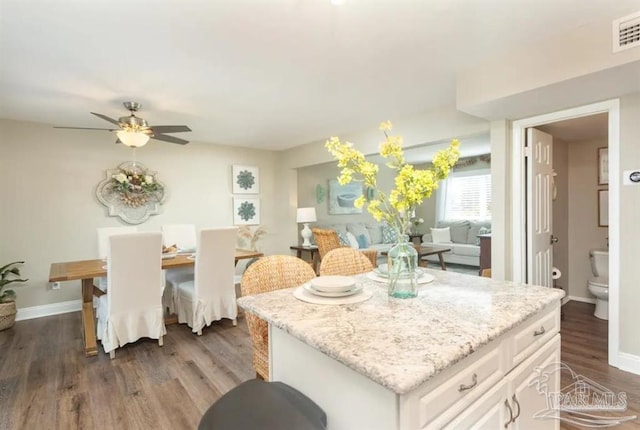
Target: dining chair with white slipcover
[
  {"x": 103, "y": 247},
  {"x": 132, "y": 308},
  {"x": 181, "y": 235},
  {"x": 210, "y": 295}
]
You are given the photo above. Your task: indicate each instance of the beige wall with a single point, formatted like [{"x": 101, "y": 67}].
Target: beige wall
[
  {"x": 584, "y": 233},
  {"x": 546, "y": 74},
  {"x": 50, "y": 212},
  {"x": 561, "y": 212},
  {"x": 629, "y": 227}
]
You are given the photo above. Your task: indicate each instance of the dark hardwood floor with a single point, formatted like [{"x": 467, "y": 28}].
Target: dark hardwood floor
[
  {"x": 584, "y": 350},
  {"x": 46, "y": 382}
]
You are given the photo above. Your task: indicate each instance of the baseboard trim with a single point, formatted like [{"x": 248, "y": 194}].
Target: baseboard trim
[
  {"x": 629, "y": 362},
  {"x": 583, "y": 299},
  {"x": 48, "y": 310}
]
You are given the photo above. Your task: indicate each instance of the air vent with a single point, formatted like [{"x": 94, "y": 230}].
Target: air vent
[{"x": 626, "y": 32}]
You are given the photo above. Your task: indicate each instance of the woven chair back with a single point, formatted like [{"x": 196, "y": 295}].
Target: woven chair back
[
  {"x": 269, "y": 274},
  {"x": 345, "y": 261},
  {"x": 326, "y": 239}
]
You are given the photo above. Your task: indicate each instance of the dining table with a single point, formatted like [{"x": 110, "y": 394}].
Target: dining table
[{"x": 87, "y": 270}]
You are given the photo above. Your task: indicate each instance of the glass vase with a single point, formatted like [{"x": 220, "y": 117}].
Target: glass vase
[{"x": 402, "y": 261}]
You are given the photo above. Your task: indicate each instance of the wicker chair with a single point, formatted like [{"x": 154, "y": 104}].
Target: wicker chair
[
  {"x": 345, "y": 261},
  {"x": 269, "y": 274},
  {"x": 327, "y": 239}
]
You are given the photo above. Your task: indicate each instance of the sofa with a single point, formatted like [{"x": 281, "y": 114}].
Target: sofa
[
  {"x": 461, "y": 236},
  {"x": 363, "y": 235}
]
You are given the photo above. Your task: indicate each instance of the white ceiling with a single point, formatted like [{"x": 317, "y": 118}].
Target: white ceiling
[{"x": 258, "y": 73}]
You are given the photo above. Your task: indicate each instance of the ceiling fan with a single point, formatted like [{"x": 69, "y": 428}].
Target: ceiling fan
[{"x": 135, "y": 131}]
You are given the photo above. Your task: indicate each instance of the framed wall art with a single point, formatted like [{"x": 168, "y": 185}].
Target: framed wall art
[
  {"x": 343, "y": 197},
  {"x": 246, "y": 211},
  {"x": 603, "y": 208},
  {"x": 246, "y": 179},
  {"x": 603, "y": 166}
]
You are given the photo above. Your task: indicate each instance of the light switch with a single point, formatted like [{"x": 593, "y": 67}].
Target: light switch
[{"x": 631, "y": 177}]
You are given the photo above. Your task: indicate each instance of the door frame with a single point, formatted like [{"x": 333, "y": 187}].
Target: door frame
[{"x": 519, "y": 196}]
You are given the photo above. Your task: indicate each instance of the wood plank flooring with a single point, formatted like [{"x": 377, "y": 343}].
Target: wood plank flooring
[
  {"x": 584, "y": 349},
  {"x": 46, "y": 382}
]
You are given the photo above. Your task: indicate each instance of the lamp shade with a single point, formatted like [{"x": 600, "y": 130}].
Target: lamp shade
[
  {"x": 135, "y": 139},
  {"x": 306, "y": 215}
]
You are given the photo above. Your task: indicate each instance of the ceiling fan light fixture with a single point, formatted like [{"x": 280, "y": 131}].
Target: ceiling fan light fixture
[{"x": 133, "y": 139}]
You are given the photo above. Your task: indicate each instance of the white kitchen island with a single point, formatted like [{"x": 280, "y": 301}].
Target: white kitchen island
[{"x": 460, "y": 355}]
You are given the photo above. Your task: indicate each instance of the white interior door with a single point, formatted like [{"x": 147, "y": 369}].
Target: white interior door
[{"x": 539, "y": 209}]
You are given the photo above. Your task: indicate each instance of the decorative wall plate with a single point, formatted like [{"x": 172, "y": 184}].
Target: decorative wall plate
[{"x": 131, "y": 192}]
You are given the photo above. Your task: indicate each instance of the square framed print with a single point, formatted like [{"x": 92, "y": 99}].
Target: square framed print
[
  {"x": 246, "y": 179},
  {"x": 603, "y": 166},
  {"x": 603, "y": 208},
  {"x": 246, "y": 211},
  {"x": 343, "y": 197}
]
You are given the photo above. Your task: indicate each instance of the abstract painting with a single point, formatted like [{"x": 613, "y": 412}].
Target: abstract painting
[
  {"x": 246, "y": 179},
  {"x": 342, "y": 197},
  {"x": 246, "y": 211}
]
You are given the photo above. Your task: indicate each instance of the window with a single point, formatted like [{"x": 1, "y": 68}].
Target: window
[{"x": 465, "y": 195}]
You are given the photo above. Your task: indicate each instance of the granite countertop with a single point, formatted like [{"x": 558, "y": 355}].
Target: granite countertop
[{"x": 402, "y": 343}]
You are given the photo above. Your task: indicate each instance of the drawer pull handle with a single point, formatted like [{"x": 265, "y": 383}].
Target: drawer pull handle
[
  {"x": 515, "y": 402},
  {"x": 474, "y": 382},
  {"x": 539, "y": 332},
  {"x": 506, "y": 403}
]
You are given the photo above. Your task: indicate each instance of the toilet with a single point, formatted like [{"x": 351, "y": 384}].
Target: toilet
[{"x": 598, "y": 285}]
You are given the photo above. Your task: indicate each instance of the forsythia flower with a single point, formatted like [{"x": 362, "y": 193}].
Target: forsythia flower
[{"x": 412, "y": 185}]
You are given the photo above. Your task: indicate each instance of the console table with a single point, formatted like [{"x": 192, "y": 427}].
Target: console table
[{"x": 314, "y": 254}]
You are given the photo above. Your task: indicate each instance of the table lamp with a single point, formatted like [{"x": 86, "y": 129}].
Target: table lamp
[{"x": 305, "y": 216}]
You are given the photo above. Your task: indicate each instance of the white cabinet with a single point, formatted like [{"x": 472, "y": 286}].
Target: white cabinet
[
  {"x": 526, "y": 401},
  {"x": 486, "y": 390},
  {"x": 513, "y": 403}
]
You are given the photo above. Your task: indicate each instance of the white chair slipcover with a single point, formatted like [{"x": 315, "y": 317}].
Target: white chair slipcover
[
  {"x": 103, "y": 247},
  {"x": 132, "y": 308},
  {"x": 181, "y": 235},
  {"x": 211, "y": 295},
  {"x": 184, "y": 237}
]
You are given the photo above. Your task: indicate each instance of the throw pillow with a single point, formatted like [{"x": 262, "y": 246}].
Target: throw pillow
[
  {"x": 343, "y": 239},
  {"x": 375, "y": 233},
  {"x": 482, "y": 230},
  {"x": 441, "y": 235},
  {"x": 363, "y": 242},
  {"x": 353, "y": 242},
  {"x": 389, "y": 235}
]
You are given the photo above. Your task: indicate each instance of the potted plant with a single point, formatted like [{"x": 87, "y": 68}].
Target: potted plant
[{"x": 8, "y": 275}]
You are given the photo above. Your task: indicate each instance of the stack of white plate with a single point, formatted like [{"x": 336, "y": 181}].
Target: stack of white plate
[{"x": 333, "y": 286}]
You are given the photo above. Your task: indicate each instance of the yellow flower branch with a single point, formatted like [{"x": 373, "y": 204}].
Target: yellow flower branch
[{"x": 412, "y": 185}]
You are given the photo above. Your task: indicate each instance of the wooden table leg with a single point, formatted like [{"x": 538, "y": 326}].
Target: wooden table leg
[
  {"x": 88, "y": 319},
  {"x": 441, "y": 258},
  {"x": 314, "y": 260}
]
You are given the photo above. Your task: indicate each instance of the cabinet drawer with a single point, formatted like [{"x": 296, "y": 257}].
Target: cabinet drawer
[
  {"x": 534, "y": 334},
  {"x": 470, "y": 382}
]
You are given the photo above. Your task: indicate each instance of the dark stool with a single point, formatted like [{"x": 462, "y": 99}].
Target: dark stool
[{"x": 260, "y": 405}]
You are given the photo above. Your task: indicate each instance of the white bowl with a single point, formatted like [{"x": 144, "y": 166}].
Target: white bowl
[{"x": 333, "y": 284}]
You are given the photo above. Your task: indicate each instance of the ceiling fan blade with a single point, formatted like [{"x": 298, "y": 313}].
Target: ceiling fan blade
[
  {"x": 85, "y": 128},
  {"x": 170, "y": 128},
  {"x": 106, "y": 118},
  {"x": 171, "y": 139}
]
